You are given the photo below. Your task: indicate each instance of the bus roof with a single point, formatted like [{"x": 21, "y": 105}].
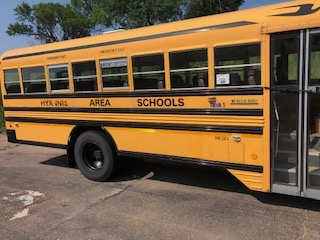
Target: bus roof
[{"x": 286, "y": 16}]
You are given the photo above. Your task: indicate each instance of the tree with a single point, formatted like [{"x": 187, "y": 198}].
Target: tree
[
  {"x": 197, "y": 8},
  {"x": 132, "y": 14},
  {"x": 49, "y": 22},
  {"x": 91, "y": 9}
]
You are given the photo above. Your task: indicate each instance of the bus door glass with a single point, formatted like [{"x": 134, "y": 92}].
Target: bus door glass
[
  {"x": 312, "y": 114},
  {"x": 295, "y": 88},
  {"x": 285, "y": 101}
]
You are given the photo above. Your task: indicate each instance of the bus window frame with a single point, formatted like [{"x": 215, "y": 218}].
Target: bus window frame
[
  {"x": 75, "y": 77},
  {"x": 162, "y": 72},
  {"x": 184, "y": 70},
  {"x": 238, "y": 67},
  {"x": 43, "y": 80},
  {"x": 114, "y": 60},
  {"x": 19, "y": 81},
  {"x": 59, "y": 79}
]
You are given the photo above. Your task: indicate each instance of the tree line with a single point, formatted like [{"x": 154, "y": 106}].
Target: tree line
[{"x": 51, "y": 22}]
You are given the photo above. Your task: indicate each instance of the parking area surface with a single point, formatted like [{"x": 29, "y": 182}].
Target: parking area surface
[{"x": 42, "y": 198}]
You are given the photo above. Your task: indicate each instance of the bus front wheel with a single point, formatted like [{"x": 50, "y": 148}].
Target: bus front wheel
[{"x": 94, "y": 156}]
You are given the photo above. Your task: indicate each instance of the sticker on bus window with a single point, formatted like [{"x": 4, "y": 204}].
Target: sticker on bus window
[
  {"x": 114, "y": 63},
  {"x": 223, "y": 79}
]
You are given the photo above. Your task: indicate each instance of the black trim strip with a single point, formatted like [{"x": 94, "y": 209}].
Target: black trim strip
[
  {"x": 40, "y": 144},
  {"x": 137, "y": 39},
  {"x": 172, "y": 93},
  {"x": 163, "y": 126},
  {"x": 11, "y": 135},
  {"x": 171, "y": 111},
  {"x": 193, "y": 161}
]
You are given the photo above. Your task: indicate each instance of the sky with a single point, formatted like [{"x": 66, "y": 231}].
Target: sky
[{"x": 12, "y": 42}]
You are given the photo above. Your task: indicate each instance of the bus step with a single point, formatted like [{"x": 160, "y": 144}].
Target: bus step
[{"x": 285, "y": 173}]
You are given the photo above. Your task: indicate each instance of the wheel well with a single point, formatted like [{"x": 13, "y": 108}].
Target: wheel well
[{"x": 77, "y": 131}]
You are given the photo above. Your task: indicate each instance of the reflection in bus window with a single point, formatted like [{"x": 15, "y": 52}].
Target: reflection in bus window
[
  {"x": 11, "y": 81},
  {"x": 148, "y": 72},
  {"x": 286, "y": 61},
  {"x": 189, "y": 69},
  {"x": 114, "y": 73},
  {"x": 84, "y": 76},
  {"x": 315, "y": 60},
  {"x": 33, "y": 79},
  {"x": 238, "y": 65},
  {"x": 59, "y": 77}
]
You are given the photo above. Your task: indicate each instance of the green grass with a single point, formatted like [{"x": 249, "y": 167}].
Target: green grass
[
  {"x": 2, "y": 128},
  {"x": 1, "y": 114}
]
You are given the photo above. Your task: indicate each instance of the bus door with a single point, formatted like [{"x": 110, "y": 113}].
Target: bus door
[{"x": 295, "y": 106}]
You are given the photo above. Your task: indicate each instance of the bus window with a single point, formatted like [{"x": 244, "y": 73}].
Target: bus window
[
  {"x": 148, "y": 72},
  {"x": 189, "y": 69},
  {"x": 315, "y": 60},
  {"x": 59, "y": 77},
  {"x": 114, "y": 73},
  {"x": 11, "y": 81},
  {"x": 286, "y": 61},
  {"x": 33, "y": 79},
  {"x": 238, "y": 65},
  {"x": 84, "y": 76}
]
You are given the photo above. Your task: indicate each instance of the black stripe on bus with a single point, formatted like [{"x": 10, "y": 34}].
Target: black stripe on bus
[
  {"x": 206, "y": 112},
  {"x": 137, "y": 39},
  {"x": 136, "y": 94},
  {"x": 193, "y": 161},
  {"x": 162, "y": 126},
  {"x": 41, "y": 144}
]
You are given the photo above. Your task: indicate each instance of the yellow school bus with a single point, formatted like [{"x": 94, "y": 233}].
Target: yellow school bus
[{"x": 238, "y": 91}]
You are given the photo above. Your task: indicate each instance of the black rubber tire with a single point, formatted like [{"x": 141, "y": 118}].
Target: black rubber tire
[{"x": 94, "y": 156}]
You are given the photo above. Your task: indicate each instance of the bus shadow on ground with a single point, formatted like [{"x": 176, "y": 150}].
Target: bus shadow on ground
[
  {"x": 203, "y": 177},
  {"x": 133, "y": 169},
  {"x": 59, "y": 161}
]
